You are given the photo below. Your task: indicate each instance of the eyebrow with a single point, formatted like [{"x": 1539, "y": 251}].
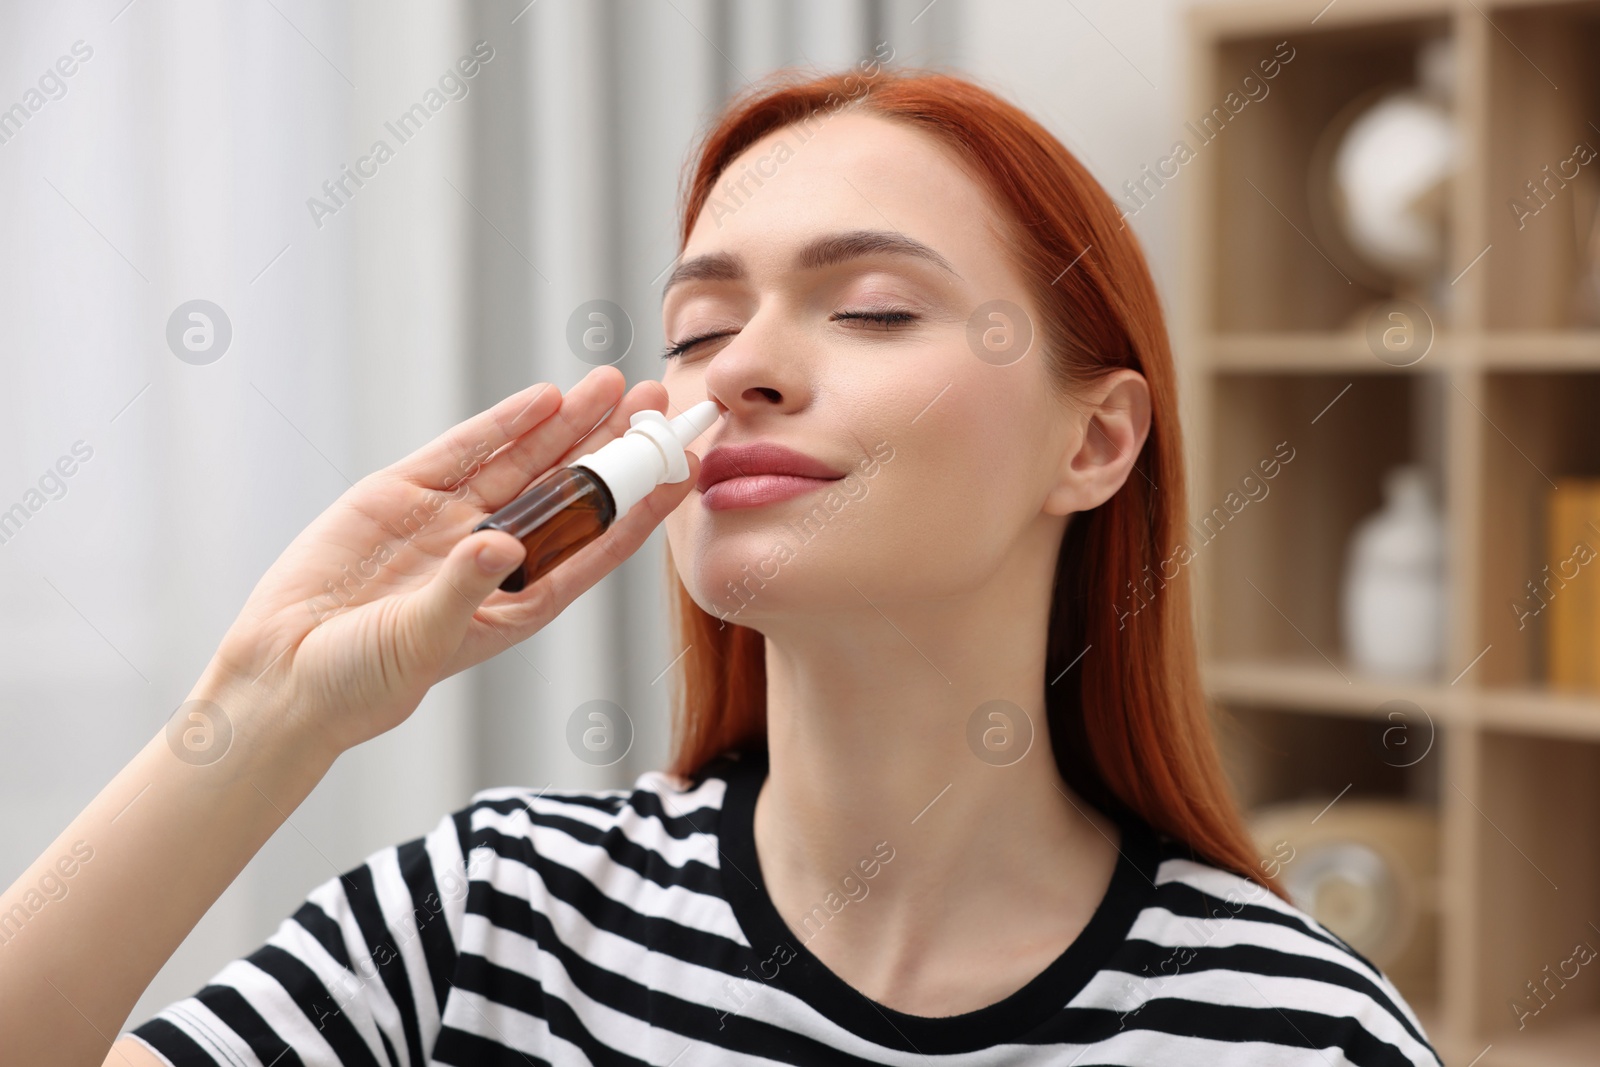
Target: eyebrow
[{"x": 826, "y": 251}]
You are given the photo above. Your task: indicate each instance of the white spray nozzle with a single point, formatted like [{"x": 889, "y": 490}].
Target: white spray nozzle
[
  {"x": 649, "y": 453},
  {"x": 693, "y": 422}
]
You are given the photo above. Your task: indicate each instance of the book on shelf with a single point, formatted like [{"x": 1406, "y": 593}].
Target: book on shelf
[{"x": 1568, "y": 589}]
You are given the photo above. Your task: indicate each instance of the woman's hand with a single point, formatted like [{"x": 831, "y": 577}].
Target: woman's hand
[
  {"x": 388, "y": 590},
  {"x": 303, "y": 674}
]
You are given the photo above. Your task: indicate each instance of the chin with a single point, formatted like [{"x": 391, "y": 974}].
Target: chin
[{"x": 743, "y": 576}]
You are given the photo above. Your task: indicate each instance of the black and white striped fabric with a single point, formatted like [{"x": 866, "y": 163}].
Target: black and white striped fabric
[{"x": 633, "y": 927}]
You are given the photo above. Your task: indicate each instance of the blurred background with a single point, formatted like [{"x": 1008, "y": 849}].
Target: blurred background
[{"x": 1373, "y": 225}]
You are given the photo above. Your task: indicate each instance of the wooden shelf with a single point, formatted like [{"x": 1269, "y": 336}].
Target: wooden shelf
[
  {"x": 1315, "y": 351},
  {"x": 1269, "y": 327},
  {"x": 1559, "y": 1044},
  {"x": 1320, "y": 688},
  {"x": 1268, "y": 16},
  {"x": 1540, "y": 711},
  {"x": 1316, "y": 688},
  {"x": 1318, "y": 352},
  {"x": 1532, "y": 350}
]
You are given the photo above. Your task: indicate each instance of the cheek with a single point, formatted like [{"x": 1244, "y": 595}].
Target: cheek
[
  {"x": 950, "y": 481},
  {"x": 685, "y": 388},
  {"x": 959, "y": 480}
]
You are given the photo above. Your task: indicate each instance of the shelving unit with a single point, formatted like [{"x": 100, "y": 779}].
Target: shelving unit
[{"x": 1507, "y": 399}]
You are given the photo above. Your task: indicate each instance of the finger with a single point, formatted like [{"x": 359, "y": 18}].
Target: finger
[
  {"x": 460, "y": 450},
  {"x": 631, "y": 530},
  {"x": 511, "y": 470},
  {"x": 460, "y": 453},
  {"x": 441, "y": 610},
  {"x": 646, "y": 394},
  {"x": 509, "y": 473}
]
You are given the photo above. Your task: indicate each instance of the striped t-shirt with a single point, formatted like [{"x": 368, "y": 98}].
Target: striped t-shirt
[{"x": 633, "y": 927}]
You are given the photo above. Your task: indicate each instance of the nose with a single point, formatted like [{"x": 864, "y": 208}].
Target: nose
[{"x": 761, "y": 369}]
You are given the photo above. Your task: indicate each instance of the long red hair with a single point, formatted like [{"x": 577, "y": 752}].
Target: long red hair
[{"x": 1128, "y": 722}]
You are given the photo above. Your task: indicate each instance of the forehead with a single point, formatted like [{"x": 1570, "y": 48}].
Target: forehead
[{"x": 845, "y": 171}]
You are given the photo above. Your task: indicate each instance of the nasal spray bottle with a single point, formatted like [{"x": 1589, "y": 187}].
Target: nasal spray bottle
[{"x": 572, "y": 505}]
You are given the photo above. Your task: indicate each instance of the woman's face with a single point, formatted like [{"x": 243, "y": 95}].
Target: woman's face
[{"x": 950, "y": 446}]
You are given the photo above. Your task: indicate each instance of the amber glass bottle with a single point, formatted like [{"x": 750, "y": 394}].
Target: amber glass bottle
[
  {"x": 569, "y": 507},
  {"x": 555, "y": 517}
]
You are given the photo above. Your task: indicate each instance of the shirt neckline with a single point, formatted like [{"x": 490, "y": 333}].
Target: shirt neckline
[{"x": 797, "y": 971}]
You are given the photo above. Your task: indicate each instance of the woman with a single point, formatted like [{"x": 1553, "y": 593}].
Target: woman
[{"x": 934, "y": 796}]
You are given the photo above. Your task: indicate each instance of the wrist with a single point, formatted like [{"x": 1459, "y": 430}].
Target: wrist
[{"x": 248, "y": 726}]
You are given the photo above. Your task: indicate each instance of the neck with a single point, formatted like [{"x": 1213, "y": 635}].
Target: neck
[
  {"x": 873, "y": 751},
  {"x": 869, "y": 740}
]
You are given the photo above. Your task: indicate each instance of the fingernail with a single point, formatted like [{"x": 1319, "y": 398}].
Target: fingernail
[{"x": 496, "y": 557}]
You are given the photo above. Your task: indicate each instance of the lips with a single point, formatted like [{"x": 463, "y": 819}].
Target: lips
[{"x": 752, "y": 465}]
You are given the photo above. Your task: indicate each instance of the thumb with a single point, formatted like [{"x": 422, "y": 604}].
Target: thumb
[{"x": 475, "y": 568}]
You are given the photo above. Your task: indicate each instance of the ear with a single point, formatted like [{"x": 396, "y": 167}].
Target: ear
[{"x": 1108, "y": 424}]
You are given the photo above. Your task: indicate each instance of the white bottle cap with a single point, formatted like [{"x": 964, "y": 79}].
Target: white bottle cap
[{"x": 649, "y": 453}]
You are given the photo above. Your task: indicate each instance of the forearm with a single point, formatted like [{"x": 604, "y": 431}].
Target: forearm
[
  {"x": 147, "y": 858},
  {"x": 83, "y": 932}
]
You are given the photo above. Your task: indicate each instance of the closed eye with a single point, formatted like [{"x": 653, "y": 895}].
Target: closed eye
[
  {"x": 683, "y": 346},
  {"x": 881, "y": 318}
]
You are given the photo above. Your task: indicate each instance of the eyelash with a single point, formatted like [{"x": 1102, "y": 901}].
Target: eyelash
[{"x": 886, "y": 319}]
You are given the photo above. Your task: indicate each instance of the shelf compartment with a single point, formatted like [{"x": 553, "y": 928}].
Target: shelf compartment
[
  {"x": 1540, "y": 428},
  {"x": 1543, "y": 98},
  {"x": 1275, "y": 266},
  {"x": 1277, "y": 754},
  {"x": 1295, "y": 771},
  {"x": 1273, "y": 571},
  {"x": 1535, "y": 818}
]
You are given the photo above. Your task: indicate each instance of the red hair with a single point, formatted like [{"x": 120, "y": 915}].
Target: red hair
[{"x": 1128, "y": 722}]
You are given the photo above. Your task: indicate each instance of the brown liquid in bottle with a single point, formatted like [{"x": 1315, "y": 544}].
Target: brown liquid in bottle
[{"x": 553, "y": 519}]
